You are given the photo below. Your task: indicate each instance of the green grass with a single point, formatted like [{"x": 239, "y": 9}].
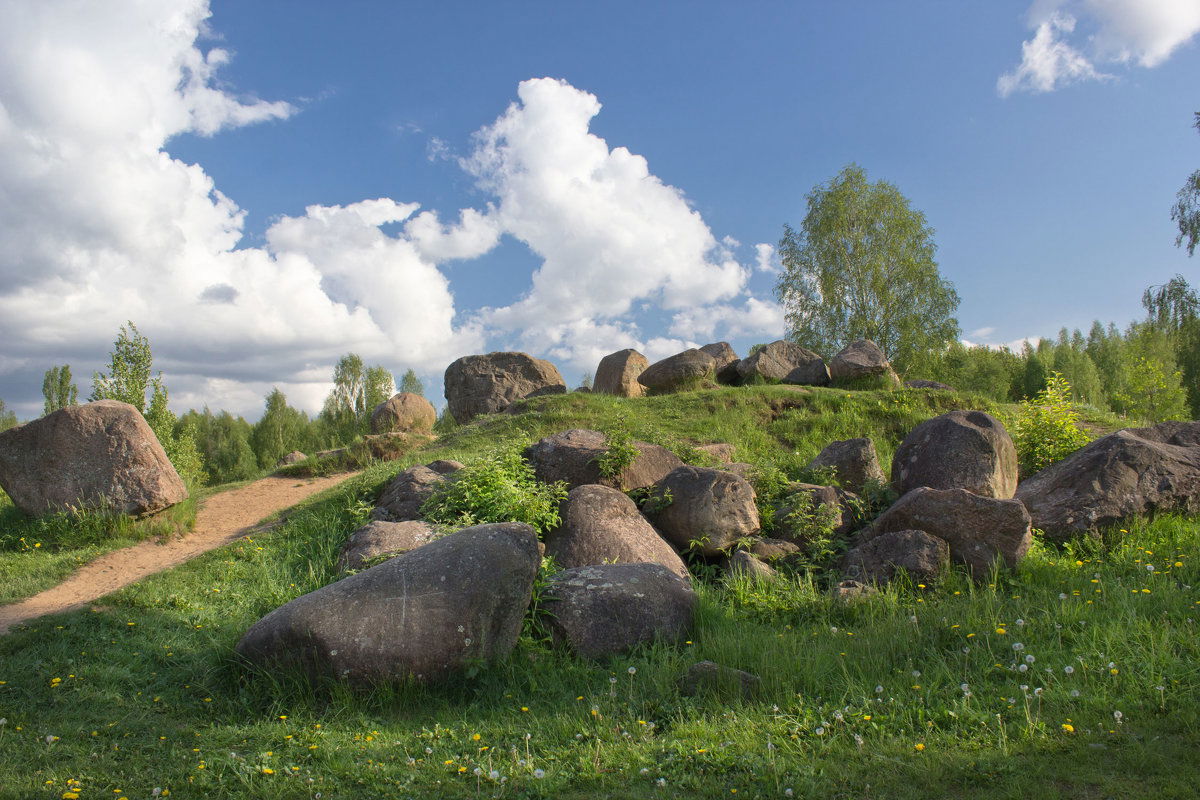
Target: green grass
[
  {"x": 37, "y": 553},
  {"x": 150, "y": 695}
]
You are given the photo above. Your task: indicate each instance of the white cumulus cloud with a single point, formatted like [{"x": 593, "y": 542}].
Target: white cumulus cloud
[
  {"x": 608, "y": 231},
  {"x": 1072, "y": 37}
]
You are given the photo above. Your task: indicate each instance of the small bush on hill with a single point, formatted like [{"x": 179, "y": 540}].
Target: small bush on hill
[
  {"x": 500, "y": 487},
  {"x": 1046, "y": 428}
]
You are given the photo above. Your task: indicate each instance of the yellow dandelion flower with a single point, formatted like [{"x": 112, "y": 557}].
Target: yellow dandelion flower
[
  {"x": 1068, "y": 727},
  {"x": 919, "y": 746},
  {"x": 1001, "y": 631},
  {"x": 268, "y": 771},
  {"x": 475, "y": 737}
]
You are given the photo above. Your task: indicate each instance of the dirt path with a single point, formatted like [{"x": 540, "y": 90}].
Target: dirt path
[{"x": 222, "y": 519}]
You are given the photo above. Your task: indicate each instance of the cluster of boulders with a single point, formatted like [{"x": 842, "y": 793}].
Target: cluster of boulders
[
  {"x": 440, "y": 601},
  {"x": 491, "y": 383}
]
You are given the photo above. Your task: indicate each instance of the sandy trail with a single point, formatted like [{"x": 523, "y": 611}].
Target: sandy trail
[{"x": 222, "y": 519}]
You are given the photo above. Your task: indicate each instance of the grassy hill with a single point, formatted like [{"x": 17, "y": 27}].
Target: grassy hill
[{"x": 917, "y": 692}]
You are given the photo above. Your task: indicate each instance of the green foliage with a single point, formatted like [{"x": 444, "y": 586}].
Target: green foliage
[
  {"x": 1186, "y": 211},
  {"x": 1046, "y": 428},
  {"x": 58, "y": 389},
  {"x": 357, "y": 390},
  {"x": 223, "y": 441},
  {"x": 619, "y": 455},
  {"x": 8, "y": 419},
  {"x": 282, "y": 430},
  {"x": 813, "y": 523},
  {"x": 128, "y": 376},
  {"x": 862, "y": 267},
  {"x": 1155, "y": 392},
  {"x": 412, "y": 384},
  {"x": 499, "y": 487},
  {"x": 1174, "y": 309}
]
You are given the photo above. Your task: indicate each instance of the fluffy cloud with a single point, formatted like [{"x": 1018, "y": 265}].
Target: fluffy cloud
[
  {"x": 1144, "y": 32},
  {"x": 610, "y": 234},
  {"x": 99, "y": 224}
]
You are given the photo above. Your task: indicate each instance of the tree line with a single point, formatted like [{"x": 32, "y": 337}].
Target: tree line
[{"x": 214, "y": 448}]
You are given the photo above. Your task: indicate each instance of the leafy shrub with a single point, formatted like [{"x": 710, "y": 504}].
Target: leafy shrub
[
  {"x": 619, "y": 455},
  {"x": 1046, "y": 428},
  {"x": 500, "y": 487},
  {"x": 814, "y": 524}
]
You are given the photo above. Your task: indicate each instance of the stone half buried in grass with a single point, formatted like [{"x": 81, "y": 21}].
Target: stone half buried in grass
[
  {"x": 708, "y": 677},
  {"x": 922, "y": 556},
  {"x": 979, "y": 530},
  {"x": 854, "y": 462},
  {"x": 708, "y": 509},
  {"x": 404, "y": 495},
  {"x": 600, "y": 525},
  {"x": 575, "y": 457},
  {"x": 862, "y": 365},
  {"x": 424, "y": 615},
  {"x": 742, "y": 562},
  {"x": 606, "y": 609},
  {"x": 379, "y": 538},
  {"x": 1125, "y": 474}
]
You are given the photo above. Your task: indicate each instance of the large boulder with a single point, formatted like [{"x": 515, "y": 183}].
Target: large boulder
[
  {"x": 854, "y": 462},
  {"x": 618, "y": 374},
  {"x": 294, "y": 457},
  {"x": 603, "y": 526},
  {"x": 600, "y": 611},
  {"x": 859, "y": 361},
  {"x": 876, "y": 561},
  {"x": 488, "y": 384},
  {"x": 424, "y": 615},
  {"x": 784, "y": 361},
  {"x": 573, "y": 457},
  {"x": 1131, "y": 472},
  {"x": 100, "y": 455},
  {"x": 378, "y": 538},
  {"x": 960, "y": 450},
  {"x": 711, "y": 507},
  {"x": 979, "y": 530},
  {"x": 404, "y": 495},
  {"x": 725, "y": 362},
  {"x": 403, "y": 412},
  {"x": 678, "y": 371}
]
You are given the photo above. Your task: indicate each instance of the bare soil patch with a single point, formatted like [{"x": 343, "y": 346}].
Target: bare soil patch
[{"x": 223, "y": 518}]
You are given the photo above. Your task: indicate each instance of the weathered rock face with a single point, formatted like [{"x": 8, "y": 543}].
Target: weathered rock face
[
  {"x": 618, "y": 374},
  {"x": 1130, "y": 472},
  {"x": 392, "y": 446},
  {"x": 710, "y": 506},
  {"x": 572, "y": 456},
  {"x": 603, "y": 526},
  {"x": 725, "y": 362},
  {"x": 294, "y": 457},
  {"x": 877, "y": 560},
  {"x": 379, "y": 538},
  {"x": 403, "y": 497},
  {"x": 744, "y": 563},
  {"x": 785, "y": 361},
  {"x": 445, "y": 466},
  {"x": 861, "y": 359},
  {"x": 100, "y": 455},
  {"x": 921, "y": 384},
  {"x": 805, "y": 500},
  {"x": 961, "y": 450},
  {"x": 488, "y": 384},
  {"x": 425, "y": 614},
  {"x": 600, "y": 611},
  {"x": 678, "y": 370},
  {"x": 769, "y": 549},
  {"x": 854, "y": 461},
  {"x": 849, "y": 590},
  {"x": 978, "y": 530},
  {"x": 403, "y": 412}
]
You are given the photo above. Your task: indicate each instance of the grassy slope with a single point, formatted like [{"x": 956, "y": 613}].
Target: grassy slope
[{"x": 150, "y": 695}]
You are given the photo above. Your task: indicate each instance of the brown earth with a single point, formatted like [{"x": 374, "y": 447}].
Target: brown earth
[{"x": 222, "y": 518}]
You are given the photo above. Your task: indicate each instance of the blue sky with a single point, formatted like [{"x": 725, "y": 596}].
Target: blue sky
[{"x": 202, "y": 169}]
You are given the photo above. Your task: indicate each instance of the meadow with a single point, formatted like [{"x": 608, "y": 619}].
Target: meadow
[{"x": 1075, "y": 675}]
